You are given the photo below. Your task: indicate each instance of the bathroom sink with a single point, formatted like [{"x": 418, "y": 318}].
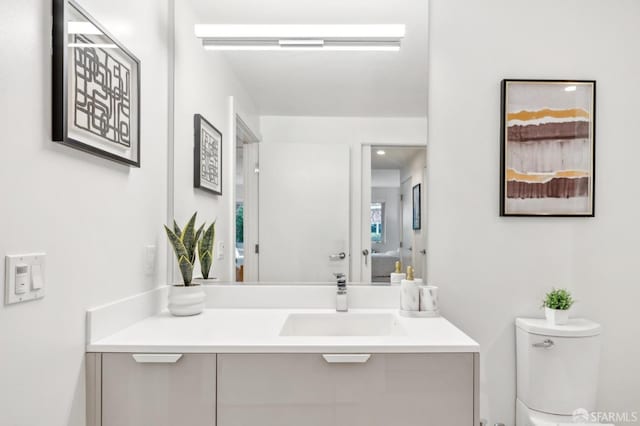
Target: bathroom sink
[{"x": 341, "y": 324}]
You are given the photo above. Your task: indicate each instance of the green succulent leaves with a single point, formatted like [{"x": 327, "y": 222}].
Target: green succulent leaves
[
  {"x": 558, "y": 299},
  {"x": 185, "y": 242},
  {"x": 184, "y": 261},
  {"x": 205, "y": 249}
]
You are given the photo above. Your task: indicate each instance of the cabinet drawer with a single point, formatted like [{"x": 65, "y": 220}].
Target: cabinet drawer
[
  {"x": 305, "y": 389},
  {"x": 158, "y": 390}
]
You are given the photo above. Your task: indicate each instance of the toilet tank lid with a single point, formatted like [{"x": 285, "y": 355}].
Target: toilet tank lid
[{"x": 576, "y": 327}]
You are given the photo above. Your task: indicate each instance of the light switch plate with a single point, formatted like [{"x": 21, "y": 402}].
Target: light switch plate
[
  {"x": 149, "y": 259},
  {"x": 220, "y": 250},
  {"x": 31, "y": 293}
]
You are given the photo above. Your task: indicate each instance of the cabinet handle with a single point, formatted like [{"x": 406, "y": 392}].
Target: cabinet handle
[
  {"x": 546, "y": 344},
  {"x": 346, "y": 358},
  {"x": 157, "y": 358}
]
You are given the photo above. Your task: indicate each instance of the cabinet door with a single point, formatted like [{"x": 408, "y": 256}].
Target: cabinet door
[
  {"x": 304, "y": 389},
  {"x": 158, "y": 390}
]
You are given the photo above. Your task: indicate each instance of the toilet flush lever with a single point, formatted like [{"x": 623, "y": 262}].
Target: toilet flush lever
[
  {"x": 546, "y": 344},
  {"x": 338, "y": 256}
]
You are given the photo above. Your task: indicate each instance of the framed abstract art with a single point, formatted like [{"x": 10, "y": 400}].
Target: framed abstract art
[
  {"x": 95, "y": 88},
  {"x": 207, "y": 156},
  {"x": 417, "y": 214},
  {"x": 548, "y": 148}
]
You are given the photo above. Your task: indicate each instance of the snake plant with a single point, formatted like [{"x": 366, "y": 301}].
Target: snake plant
[
  {"x": 184, "y": 245},
  {"x": 205, "y": 249}
]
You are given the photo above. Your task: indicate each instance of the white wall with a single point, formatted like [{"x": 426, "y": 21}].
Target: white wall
[
  {"x": 353, "y": 131},
  {"x": 385, "y": 178},
  {"x": 493, "y": 269},
  {"x": 415, "y": 172},
  {"x": 204, "y": 84},
  {"x": 91, "y": 216}
]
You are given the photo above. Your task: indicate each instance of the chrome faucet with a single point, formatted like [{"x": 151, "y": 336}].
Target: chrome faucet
[{"x": 341, "y": 293}]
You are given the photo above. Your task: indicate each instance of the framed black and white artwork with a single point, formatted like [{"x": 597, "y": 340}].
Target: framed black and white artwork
[
  {"x": 207, "y": 156},
  {"x": 96, "y": 87},
  {"x": 416, "y": 207}
]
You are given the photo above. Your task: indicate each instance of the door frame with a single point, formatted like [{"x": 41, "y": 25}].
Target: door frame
[
  {"x": 251, "y": 136},
  {"x": 365, "y": 206}
]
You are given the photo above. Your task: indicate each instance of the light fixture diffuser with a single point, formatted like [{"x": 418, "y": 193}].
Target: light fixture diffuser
[{"x": 301, "y": 37}]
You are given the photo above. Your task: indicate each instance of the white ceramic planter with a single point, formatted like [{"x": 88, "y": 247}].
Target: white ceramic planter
[
  {"x": 556, "y": 316},
  {"x": 186, "y": 300}
]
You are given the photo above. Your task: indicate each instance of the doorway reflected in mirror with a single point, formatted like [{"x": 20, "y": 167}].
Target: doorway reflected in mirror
[{"x": 396, "y": 172}]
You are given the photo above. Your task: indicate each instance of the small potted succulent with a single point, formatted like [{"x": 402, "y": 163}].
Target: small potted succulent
[
  {"x": 186, "y": 298},
  {"x": 557, "y": 304},
  {"x": 205, "y": 254}
]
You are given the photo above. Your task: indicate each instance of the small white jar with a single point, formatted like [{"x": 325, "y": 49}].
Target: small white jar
[{"x": 429, "y": 299}]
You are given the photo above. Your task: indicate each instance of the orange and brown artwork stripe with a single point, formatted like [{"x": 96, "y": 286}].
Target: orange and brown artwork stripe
[
  {"x": 550, "y": 113},
  {"x": 560, "y": 184},
  {"x": 538, "y": 132}
]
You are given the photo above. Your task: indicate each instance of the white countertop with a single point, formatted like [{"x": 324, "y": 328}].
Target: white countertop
[{"x": 257, "y": 331}]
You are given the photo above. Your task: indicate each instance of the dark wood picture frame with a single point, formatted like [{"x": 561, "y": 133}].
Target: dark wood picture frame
[
  {"x": 60, "y": 85},
  {"x": 416, "y": 198},
  {"x": 200, "y": 123},
  {"x": 585, "y": 129}
]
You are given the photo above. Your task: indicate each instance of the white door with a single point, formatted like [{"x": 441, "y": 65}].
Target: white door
[
  {"x": 250, "y": 219},
  {"x": 420, "y": 240},
  {"x": 304, "y": 212},
  {"x": 406, "y": 251}
]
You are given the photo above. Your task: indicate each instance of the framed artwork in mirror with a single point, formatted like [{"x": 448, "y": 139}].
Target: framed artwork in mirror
[
  {"x": 548, "y": 148},
  {"x": 95, "y": 87},
  {"x": 416, "y": 207},
  {"x": 207, "y": 156}
]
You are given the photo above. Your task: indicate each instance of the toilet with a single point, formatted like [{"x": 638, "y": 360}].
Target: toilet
[{"x": 557, "y": 371}]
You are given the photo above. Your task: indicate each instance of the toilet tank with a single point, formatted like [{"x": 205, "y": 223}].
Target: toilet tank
[{"x": 557, "y": 365}]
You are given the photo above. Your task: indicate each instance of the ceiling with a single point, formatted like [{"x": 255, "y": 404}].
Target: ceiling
[
  {"x": 394, "y": 157},
  {"x": 390, "y": 84}
]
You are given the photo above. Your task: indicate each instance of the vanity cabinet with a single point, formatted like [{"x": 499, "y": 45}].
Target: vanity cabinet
[
  {"x": 431, "y": 389},
  {"x": 306, "y": 389},
  {"x": 155, "y": 390}
]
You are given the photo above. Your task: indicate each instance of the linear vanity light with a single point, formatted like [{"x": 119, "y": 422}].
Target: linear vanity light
[{"x": 301, "y": 37}]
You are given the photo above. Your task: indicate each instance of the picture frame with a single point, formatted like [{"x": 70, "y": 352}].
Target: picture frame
[
  {"x": 207, "y": 156},
  {"x": 547, "y": 148},
  {"x": 416, "y": 199},
  {"x": 95, "y": 87}
]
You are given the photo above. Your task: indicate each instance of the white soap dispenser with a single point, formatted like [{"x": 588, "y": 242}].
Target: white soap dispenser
[
  {"x": 409, "y": 293},
  {"x": 398, "y": 275}
]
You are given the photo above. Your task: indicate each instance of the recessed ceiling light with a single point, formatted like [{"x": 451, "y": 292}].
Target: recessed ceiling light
[
  {"x": 380, "y": 152},
  {"x": 570, "y": 89},
  {"x": 301, "y": 37}
]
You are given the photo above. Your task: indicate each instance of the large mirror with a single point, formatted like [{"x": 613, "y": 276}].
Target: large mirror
[{"x": 315, "y": 130}]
